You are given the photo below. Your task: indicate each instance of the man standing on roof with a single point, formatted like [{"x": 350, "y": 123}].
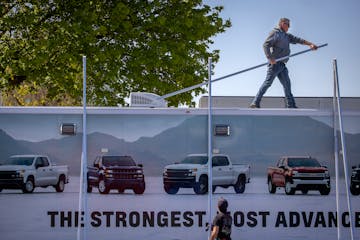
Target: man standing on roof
[{"x": 277, "y": 46}]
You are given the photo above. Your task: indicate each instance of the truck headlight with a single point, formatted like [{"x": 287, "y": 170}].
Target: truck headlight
[
  {"x": 20, "y": 173},
  {"x": 139, "y": 171},
  {"x": 140, "y": 176},
  {"x": 327, "y": 175},
  {"x": 192, "y": 172}
]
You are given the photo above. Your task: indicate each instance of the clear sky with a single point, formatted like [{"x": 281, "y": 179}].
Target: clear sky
[{"x": 335, "y": 22}]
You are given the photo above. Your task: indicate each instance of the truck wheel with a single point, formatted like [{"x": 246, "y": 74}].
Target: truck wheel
[
  {"x": 353, "y": 191},
  {"x": 271, "y": 187},
  {"x": 139, "y": 189},
  {"x": 324, "y": 191},
  {"x": 201, "y": 187},
  {"x": 170, "y": 189},
  {"x": 103, "y": 189},
  {"x": 60, "y": 186},
  {"x": 288, "y": 189},
  {"x": 28, "y": 186},
  {"x": 239, "y": 186}
]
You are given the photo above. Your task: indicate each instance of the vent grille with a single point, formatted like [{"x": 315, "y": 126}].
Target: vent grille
[{"x": 144, "y": 99}]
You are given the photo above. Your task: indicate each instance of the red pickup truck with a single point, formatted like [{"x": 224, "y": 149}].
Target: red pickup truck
[{"x": 298, "y": 173}]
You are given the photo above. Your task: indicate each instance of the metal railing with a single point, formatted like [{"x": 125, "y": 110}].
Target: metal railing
[
  {"x": 235, "y": 73},
  {"x": 338, "y": 123}
]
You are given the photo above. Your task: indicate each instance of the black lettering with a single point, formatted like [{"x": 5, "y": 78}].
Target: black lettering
[
  {"x": 200, "y": 215},
  {"x": 65, "y": 218},
  {"x": 96, "y": 220},
  {"x": 345, "y": 219},
  {"x": 252, "y": 220},
  {"x": 294, "y": 219},
  {"x": 264, "y": 215},
  {"x": 281, "y": 219},
  {"x": 134, "y": 219},
  {"x": 82, "y": 219},
  {"x": 77, "y": 219},
  {"x": 108, "y": 215},
  {"x": 332, "y": 217},
  {"x": 162, "y": 220},
  {"x": 320, "y": 220},
  {"x": 52, "y": 217},
  {"x": 150, "y": 219},
  {"x": 239, "y": 219},
  {"x": 120, "y": 217},
  {"x": 188, "y": 219},
  {"x": 175, "y": 218},
  {"x": 307, "y": 221}
]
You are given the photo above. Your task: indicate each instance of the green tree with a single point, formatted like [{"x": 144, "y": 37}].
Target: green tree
[{"x": 157, "y": 46}]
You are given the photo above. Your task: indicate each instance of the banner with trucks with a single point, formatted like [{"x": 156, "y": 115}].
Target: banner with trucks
[{"x": 147, "y": 173}]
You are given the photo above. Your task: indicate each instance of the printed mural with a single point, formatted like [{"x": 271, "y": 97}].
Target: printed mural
[{"x": 158, "y": 199}]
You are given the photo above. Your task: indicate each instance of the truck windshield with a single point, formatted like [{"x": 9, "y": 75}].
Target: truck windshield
[
  {"x": 118, "y": 161},
  {"x": 195, "y": 160},
  {"x": 27, "y": 161},
  {"x": 303, "y": 162}
]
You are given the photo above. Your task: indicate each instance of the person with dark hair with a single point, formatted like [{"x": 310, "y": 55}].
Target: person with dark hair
[
  {"x": 277, "y": 45},
  {"x": 221, "y": 227}
]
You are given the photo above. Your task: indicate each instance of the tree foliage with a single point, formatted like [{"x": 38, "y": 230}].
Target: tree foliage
[{"x": 157, "y": 46}]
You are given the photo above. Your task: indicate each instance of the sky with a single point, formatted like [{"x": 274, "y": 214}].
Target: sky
[{"x": 335, "y": 22}]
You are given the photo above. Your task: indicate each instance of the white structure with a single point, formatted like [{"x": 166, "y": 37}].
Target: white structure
[{"x": 323, "y": 103}]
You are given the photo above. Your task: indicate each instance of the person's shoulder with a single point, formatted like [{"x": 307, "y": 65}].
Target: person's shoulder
[
  {"x": 277, "y": 30},
  {"x": 219, "y": 216}
]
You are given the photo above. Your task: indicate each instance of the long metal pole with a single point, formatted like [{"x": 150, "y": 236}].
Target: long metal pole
[
  {"x": 235, "y": 73},
  {"x": 343, "y": 148},
  {"x": 210, "y": 149},
  {"x": 81, "y": 231},
  {"x": 336, "y": 155}
]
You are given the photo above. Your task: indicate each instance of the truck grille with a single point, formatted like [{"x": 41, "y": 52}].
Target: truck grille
[
  {"x": 177, "y": 173},
  {"x": 7, "y": 174},
  {"x": 125, "y": 174},
  {"x": 309, "y": 176}
]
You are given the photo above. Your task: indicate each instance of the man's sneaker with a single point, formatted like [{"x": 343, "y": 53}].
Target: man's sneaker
[{"x": 253, "y": 105}]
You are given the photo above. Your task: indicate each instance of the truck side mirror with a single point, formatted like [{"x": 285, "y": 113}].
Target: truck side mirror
[
  {"x": 353, "y": 167},
  {"x": 140, "y": 165}
]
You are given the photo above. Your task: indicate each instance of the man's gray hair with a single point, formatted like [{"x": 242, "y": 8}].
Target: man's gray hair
[{"x": 284, "y": 20}]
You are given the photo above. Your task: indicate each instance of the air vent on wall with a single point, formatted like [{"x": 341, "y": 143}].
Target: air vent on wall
[
  {"x": 68, "y": 129},
  {"x": 145, "y": 99},
  {"x": 222, "y": 130}
]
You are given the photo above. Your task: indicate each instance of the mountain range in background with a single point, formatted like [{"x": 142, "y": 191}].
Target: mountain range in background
[{"x": 259, "y": 142}]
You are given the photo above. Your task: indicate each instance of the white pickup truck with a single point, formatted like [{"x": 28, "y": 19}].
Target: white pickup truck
[
  {"x": 192, "y": 172},
  {"x": 29, "y": 171}
]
